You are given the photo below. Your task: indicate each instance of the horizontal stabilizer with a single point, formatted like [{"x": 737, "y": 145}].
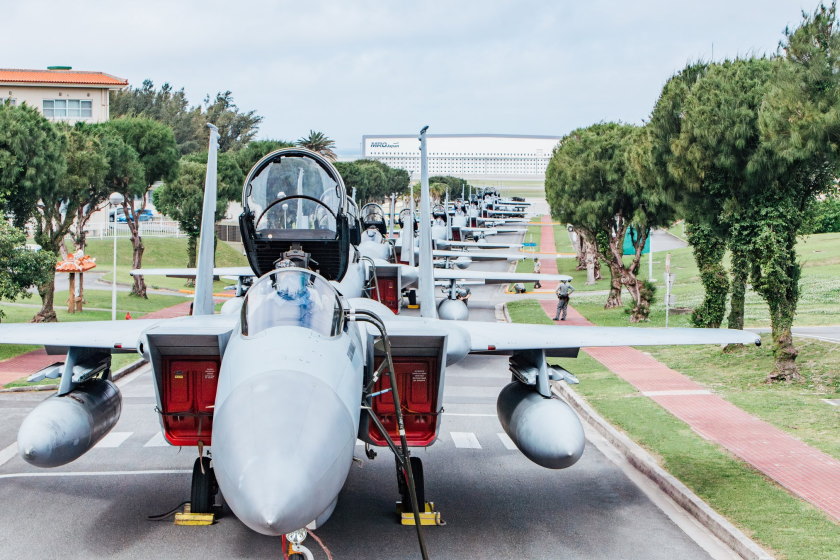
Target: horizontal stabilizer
[{"x": 191, "y": 272}]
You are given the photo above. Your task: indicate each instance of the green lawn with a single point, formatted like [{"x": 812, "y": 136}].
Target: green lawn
[
  {"x": 819, "y": 302},
  {"x": 787, "y": 526},
  {"x": 160, "y": 252}
]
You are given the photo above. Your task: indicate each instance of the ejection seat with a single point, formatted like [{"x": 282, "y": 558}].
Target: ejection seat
[{"x": 295, "y": 197}]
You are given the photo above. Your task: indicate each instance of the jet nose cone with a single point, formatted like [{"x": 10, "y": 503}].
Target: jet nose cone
[{"x": 283, "y": 443}]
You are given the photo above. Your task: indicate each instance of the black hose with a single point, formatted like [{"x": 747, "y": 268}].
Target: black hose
[{"x": 170, "y": 513}]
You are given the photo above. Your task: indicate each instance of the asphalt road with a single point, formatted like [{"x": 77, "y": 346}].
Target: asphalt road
[{"x": 496, "y": 503}]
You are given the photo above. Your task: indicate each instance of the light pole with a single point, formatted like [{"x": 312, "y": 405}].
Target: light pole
[{"x": 116, "y": 199}]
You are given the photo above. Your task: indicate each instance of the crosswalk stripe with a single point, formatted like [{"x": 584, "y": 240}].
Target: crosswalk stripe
[
  {"x": 8, "y": 453},
  {"x": 506, "y": 441},
  {"x": 465, "y": 440},
  {"x": 157, "y": 440},
  {"x": 114, "y": 439}
]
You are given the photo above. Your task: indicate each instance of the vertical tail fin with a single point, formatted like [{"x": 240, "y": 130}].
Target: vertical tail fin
[
  {"x": 203, "y": 303},
  {"x": 426, "y": 281}
]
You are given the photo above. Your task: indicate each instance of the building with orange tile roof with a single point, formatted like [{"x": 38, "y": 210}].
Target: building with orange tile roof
[{"x": 61, "y": 93}]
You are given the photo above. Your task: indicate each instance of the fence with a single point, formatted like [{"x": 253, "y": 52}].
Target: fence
[{"x": 152, "y": 228}]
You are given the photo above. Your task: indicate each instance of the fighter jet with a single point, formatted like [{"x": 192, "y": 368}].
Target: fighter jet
[{"x": 281, "y": 385}]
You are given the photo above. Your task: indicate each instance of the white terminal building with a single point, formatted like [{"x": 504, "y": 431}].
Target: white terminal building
[{"x": 469, "y": 156}]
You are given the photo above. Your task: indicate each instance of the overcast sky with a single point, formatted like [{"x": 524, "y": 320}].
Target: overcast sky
[{"x": 349, "y": 68}]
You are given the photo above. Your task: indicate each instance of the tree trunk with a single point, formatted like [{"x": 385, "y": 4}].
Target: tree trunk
[
  {"x": 191, "y": 257},
  {"x": 71, "y": 296},
  {"x": 81, "y": 301},
  {"x": 139, "y": 287},
  {"x": 614, "y": 297},
  {"x": 47, "y": 293},
  {"x": 709, "y": 250},
  {"x": 591, "y": 260},
  {"x": 784, "y": 353},
  {"x": 740, "y": 270}
]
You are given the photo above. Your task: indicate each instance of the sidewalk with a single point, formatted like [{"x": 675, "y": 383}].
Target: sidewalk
[
  {"x": 27, "y": 364},
  {"x": 801, "y": 469}
]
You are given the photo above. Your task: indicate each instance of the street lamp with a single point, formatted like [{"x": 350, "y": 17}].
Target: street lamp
[{"x": 116, "y": 199}]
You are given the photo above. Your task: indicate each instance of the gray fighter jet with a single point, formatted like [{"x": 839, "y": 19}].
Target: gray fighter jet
[{"x": 282, "y": 383}]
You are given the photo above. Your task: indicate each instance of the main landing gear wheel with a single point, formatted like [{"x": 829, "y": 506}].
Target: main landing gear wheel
[
  {"x": 204, "y": 487},
  {"x": 419, "y": 486}
]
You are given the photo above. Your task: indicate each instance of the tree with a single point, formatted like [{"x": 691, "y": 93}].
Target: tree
[
  {"x": 22, "y": 267},
  {"x": 88, "y": 165},
  {"x": 452, "y": 185},
  {"x": 167, "y": 106},
  {"x": 591, "y": 185},
  {"x": 372, "y": 180},
  {"x": 706, "y": 234},
  {"x": 188, "y": 123},
  {"x": 799, "y": 127},
  {"x": 320, "y": 143},
  {"x": 183, "y": 199},
  {"x": 33, "y": 175},
  {"x": 30, "y": 159},
  {"x": 248, "y": 155},
  {"x": 235, "y": 129},
  {"x": 154, "y": 145}
]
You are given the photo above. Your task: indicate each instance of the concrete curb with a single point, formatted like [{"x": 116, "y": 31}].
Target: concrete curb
[
  {"x": 116, "y": 376},
  {"x": 679, "y": 492}
]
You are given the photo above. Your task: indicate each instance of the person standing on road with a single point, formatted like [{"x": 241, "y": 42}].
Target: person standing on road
[
  {"x": 564, "y": 290},
  {"x": 537, "y": 267}
]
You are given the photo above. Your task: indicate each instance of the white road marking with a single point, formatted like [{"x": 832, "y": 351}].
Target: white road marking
[
  {"x": 469, "y": 414},
  {"x": 91, "y": 473},
  {"x": 114, "y": 439},
  {"x": 465, "y": 440},
  {"x": 157, "y": 441},
  {"x": 8, "y": 453},
  {"x": 506, "y": 441}
]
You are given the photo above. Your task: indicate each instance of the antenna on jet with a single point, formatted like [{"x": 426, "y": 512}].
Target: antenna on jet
[{"x": 426, "y": 281}]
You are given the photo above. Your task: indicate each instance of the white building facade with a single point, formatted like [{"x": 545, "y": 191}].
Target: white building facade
[
  {"x": 61, "y": 94},
  {"x": 469, "y": 156}
]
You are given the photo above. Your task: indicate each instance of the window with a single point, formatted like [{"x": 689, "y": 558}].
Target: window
[
  {"x": 72, "y": 108},
  {"x": 11, "y": 100}
]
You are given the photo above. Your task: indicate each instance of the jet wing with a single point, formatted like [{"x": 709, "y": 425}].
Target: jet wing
[
  {"x": 476, "y": 244},
  {"x": 506, "y": 337},
  {"x": 191, "y": 272},
  {"x": 116, "y": 335},
  {"x": 480, "y": 255},
  {"x": 497, "y": 277}
]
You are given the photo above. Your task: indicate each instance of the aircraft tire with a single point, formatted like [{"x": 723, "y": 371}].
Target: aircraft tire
[
  {"x": 203, "y": 486},
  {"x": 419, "y": 485}
]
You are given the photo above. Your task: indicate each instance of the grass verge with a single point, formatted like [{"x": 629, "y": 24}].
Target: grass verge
[
  {"x": 782, "y": 523},
  {"x": 118, "y": 361}
]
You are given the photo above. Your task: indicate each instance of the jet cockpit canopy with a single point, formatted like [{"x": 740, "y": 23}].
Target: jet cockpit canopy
[
  {"x": 374, "y": 216},
  {"x": 295, "y": 196},
  {"x": 292, "y": 297}
]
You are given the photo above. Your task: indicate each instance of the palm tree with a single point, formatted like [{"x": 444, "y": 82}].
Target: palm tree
[{"x": 320, "y": 143}]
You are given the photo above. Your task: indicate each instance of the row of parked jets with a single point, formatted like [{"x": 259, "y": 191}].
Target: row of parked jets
[{"x": 314, "y": 354}]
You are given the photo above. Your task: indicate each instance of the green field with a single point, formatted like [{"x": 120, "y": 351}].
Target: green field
[
  {"x": 160, "y": 252},
  {"x": 819, "y": 303}
]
